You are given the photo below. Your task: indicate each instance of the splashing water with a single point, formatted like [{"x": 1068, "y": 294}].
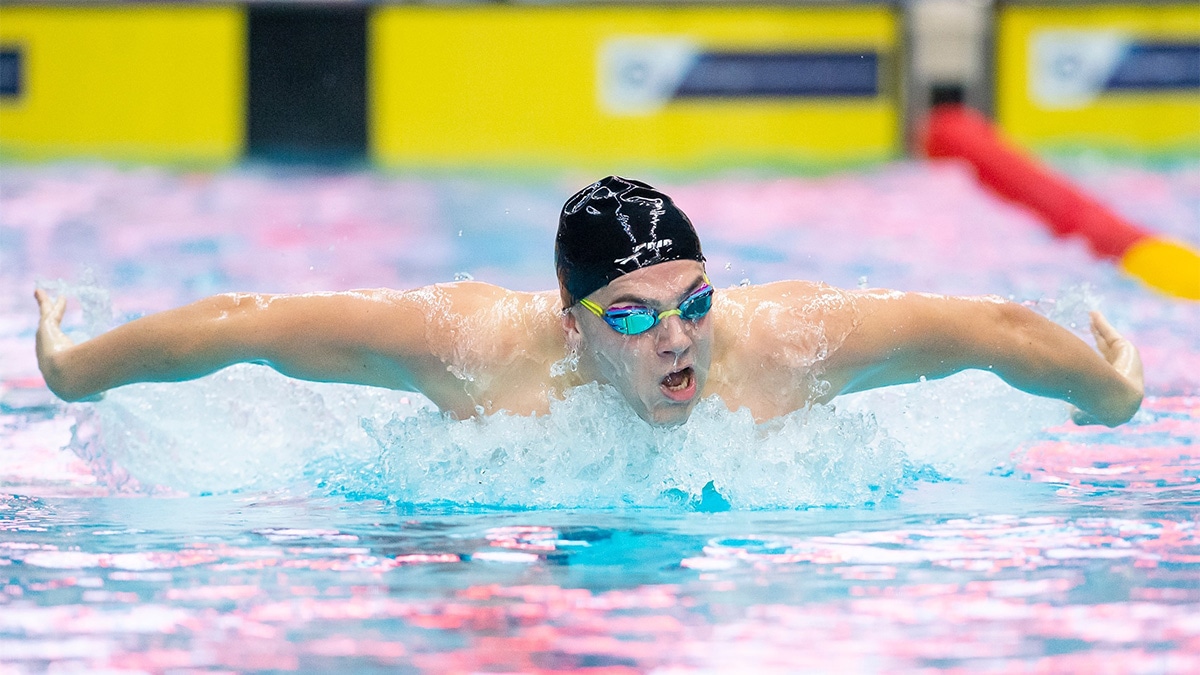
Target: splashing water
[
  {"x": 591, "y": 450},
  {"x": 248, "y": 427}
]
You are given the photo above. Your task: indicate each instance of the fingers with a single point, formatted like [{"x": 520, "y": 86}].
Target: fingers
[
  {"x": 52, "y": 309},
  {"x": 1102, "y": 329},
  {"x": 60, "y": 308},
  {"x": 1108, "y": 340}
]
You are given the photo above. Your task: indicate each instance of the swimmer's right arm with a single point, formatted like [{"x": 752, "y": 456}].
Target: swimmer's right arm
[{"x": 359, "y": 337}]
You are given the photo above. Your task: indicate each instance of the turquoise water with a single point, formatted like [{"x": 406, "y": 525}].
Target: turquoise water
[{"x": 249, "y": 522}]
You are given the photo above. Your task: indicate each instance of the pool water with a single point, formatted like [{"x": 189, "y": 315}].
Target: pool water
[{"x": 250, "y": 522}]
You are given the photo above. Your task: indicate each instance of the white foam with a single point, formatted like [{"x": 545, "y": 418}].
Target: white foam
[
  {"x": 592, "y": 450},
  {"x": 250, "y": 428}
]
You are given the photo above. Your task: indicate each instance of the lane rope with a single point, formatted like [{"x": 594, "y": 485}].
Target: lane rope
[{"x": 1170, "y": 266}]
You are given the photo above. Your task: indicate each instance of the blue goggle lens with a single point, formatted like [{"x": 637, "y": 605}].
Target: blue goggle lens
[{"x": 635, "y": 320}]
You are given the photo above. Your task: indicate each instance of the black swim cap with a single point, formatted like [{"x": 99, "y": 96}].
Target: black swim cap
[{"x": 613, "y": 227}]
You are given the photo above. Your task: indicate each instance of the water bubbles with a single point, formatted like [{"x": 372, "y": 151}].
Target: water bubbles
[
  {"x": 463, "y": 276},
  {"x": 862, "y": 283},
  {"x": 567, "y": 364},
  {"x": 728, "y": 266},
  {"x": 744, "y": 282},
  {"x": 460, "y": 233}
]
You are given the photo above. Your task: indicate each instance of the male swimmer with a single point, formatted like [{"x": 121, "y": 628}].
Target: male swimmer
[{"x": 634, "y": 310}]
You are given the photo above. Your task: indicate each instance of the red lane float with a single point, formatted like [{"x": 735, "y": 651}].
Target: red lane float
[{"x": 1167, "y": 265}]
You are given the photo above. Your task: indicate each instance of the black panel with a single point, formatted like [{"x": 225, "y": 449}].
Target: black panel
[
  {"x": 946, "y": 92},
  {"x": 308, "y": 83}
]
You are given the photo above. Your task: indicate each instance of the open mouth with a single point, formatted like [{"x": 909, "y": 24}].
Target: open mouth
[{"x": 679, "y": 385}]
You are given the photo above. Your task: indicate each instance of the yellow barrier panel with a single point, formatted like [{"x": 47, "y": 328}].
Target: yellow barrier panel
[
  {"x": 128, "y": 82},
  {"x": 1060, "y": 83},
  {"x": 1169, "y": 266},
  {"x": 526, "y": 85}
]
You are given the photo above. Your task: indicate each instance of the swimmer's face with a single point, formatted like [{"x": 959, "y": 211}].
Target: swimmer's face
[{"x": 661, "y": 372}]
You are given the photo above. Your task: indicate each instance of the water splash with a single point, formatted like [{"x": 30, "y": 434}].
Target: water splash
[
  {"x": 245, "y": 427},
  {"x": 250, "y": 428},
  {"x": 94, "y": 298},
  {"x": 593, "y": 451}
]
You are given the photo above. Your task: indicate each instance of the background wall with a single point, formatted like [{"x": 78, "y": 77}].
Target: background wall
[{"x": 622, "y": 86}]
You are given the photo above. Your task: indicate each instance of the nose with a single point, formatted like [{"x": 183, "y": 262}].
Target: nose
[{"x": 673, "y": 337}]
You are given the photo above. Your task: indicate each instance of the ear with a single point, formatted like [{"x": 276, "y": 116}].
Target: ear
[{"x": 570, "y": 326}]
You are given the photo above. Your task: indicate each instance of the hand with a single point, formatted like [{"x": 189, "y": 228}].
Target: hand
[
  {"x": 52, "y": 341},
  {"x": 50, "y": 337},
  {"x": 1117, "y": 350},
  {"x": 1120, "y": 354}
]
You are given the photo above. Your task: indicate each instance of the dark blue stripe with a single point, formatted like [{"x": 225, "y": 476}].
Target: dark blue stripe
[
  {"x": 782, "y": 75},
  {"x": 10, "y": 72},
  {"x": 1157, "y": 66}
]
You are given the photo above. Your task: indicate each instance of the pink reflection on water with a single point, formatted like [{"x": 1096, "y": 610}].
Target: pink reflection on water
[{"x": 1151, "y": 456}]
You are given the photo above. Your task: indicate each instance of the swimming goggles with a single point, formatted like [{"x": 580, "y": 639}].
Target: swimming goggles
[{"x": 635, "y": 319}]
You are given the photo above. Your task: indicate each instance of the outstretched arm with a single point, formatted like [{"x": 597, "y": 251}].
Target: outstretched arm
[
  {"x": 900, "y": 337},
  {"x": 362, "y": 337}
]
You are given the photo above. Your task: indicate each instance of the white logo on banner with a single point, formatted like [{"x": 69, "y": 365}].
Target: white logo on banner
[
  {"x": 638, "y": 76},
  {"x": 1069, "y": 69}
]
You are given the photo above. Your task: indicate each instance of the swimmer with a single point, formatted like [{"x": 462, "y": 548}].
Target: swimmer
[{"x": 634, "y": 310}]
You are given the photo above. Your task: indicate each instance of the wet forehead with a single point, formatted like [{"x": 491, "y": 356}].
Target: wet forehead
[{"x": 663, "y": 284}]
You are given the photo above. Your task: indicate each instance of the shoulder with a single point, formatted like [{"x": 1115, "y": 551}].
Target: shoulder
[
  {"x": 785, "y": 325},
  {"x": 776, "y": 309},
  {"x": 480, "y": 326},
  {"x": 790, "y": 296},
  {"x": 480, "y": 303},
  {"x": 480, "y": 344}
]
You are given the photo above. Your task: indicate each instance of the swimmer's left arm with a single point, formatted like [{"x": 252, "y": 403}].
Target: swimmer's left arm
[{"x": 901, "y": 337}]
